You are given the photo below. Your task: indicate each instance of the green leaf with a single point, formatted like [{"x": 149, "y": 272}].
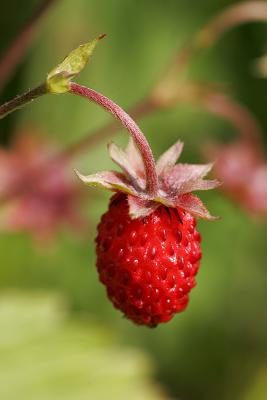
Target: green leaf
[
  {"x": 46, "y": 355},
  {"x": 58, "y": 80}
]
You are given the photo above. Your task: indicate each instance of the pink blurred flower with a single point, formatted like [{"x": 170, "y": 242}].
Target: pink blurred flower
[
  {"x": 257, "y": 191},
  {"x": 241, "y": 168},
  {"x": 39, "y": 194}
]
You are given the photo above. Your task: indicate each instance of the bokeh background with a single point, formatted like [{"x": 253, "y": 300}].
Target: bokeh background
[{"x": 59, "y": 335}]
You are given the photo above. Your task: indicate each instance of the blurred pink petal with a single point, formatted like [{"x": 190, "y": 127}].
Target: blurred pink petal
[
  {"x": 44, "y": 195},
  {"x": 257, "y": 191},
  {"x": 243, "y": 171},
  {"x": 235, "y": 163}
]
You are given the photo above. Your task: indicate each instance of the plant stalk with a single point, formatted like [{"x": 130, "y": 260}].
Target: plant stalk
[
  {"x": 130, "y": 125},
  {"x": 21, "y": 100}
]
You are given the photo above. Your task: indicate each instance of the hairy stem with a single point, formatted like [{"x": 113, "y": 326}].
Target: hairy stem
[
  {"x": 22, "y": 100},
  {"x": 141, "y": 109},
  {"x": 130, "y": 125},
  {"x": 16, "y": 50}
]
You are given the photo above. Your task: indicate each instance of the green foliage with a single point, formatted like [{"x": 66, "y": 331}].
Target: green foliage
[
  {"x": 257, "y": 389},
  {"x": 45, "y": 356}
]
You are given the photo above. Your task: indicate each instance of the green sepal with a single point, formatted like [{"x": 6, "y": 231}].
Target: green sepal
[{"x": 58, "y": 80}]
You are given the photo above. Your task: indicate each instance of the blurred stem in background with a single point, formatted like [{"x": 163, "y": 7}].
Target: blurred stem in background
[
  {"x": 17, "y": 49},
  {"x": 231, "y": 17},
  {"x": 170, "y": 91}
]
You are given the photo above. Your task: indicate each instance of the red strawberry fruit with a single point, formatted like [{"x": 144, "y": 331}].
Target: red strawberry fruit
[
  {"x": 148, "y": 248},
  {"x": 148, "y": 264}
]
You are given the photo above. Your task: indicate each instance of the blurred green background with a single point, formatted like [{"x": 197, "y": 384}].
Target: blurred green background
[{"x": 67, "y": 335}]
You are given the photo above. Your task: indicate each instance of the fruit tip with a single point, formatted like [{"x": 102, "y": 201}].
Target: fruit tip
[{"x": 102, "y": 36}]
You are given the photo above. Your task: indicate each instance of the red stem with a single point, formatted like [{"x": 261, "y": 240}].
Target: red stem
[
  {"x": 130, "y": 125},
  {"x": 139, "y": 110}
]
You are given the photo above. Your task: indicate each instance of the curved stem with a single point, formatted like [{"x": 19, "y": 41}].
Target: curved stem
[
  {"x": 239, "y": 116},
  {"x": 139, "y": 110},
  {"x": 22, "y": 100},
  {"x": 14, "y": 53},
  {"x": 130, "y": 125},
  {"x": 234, "y": 15}
]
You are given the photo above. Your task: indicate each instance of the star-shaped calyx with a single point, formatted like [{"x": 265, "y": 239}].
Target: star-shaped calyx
[{"x": 175, "y": 181}]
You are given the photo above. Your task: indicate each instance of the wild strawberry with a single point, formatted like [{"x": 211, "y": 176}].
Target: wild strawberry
[
  {"x": 148, "y": 248},
  {"x": 147, "y": 264}
]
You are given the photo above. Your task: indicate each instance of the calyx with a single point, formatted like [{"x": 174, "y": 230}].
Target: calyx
[{"x": 176, "y": 182}]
